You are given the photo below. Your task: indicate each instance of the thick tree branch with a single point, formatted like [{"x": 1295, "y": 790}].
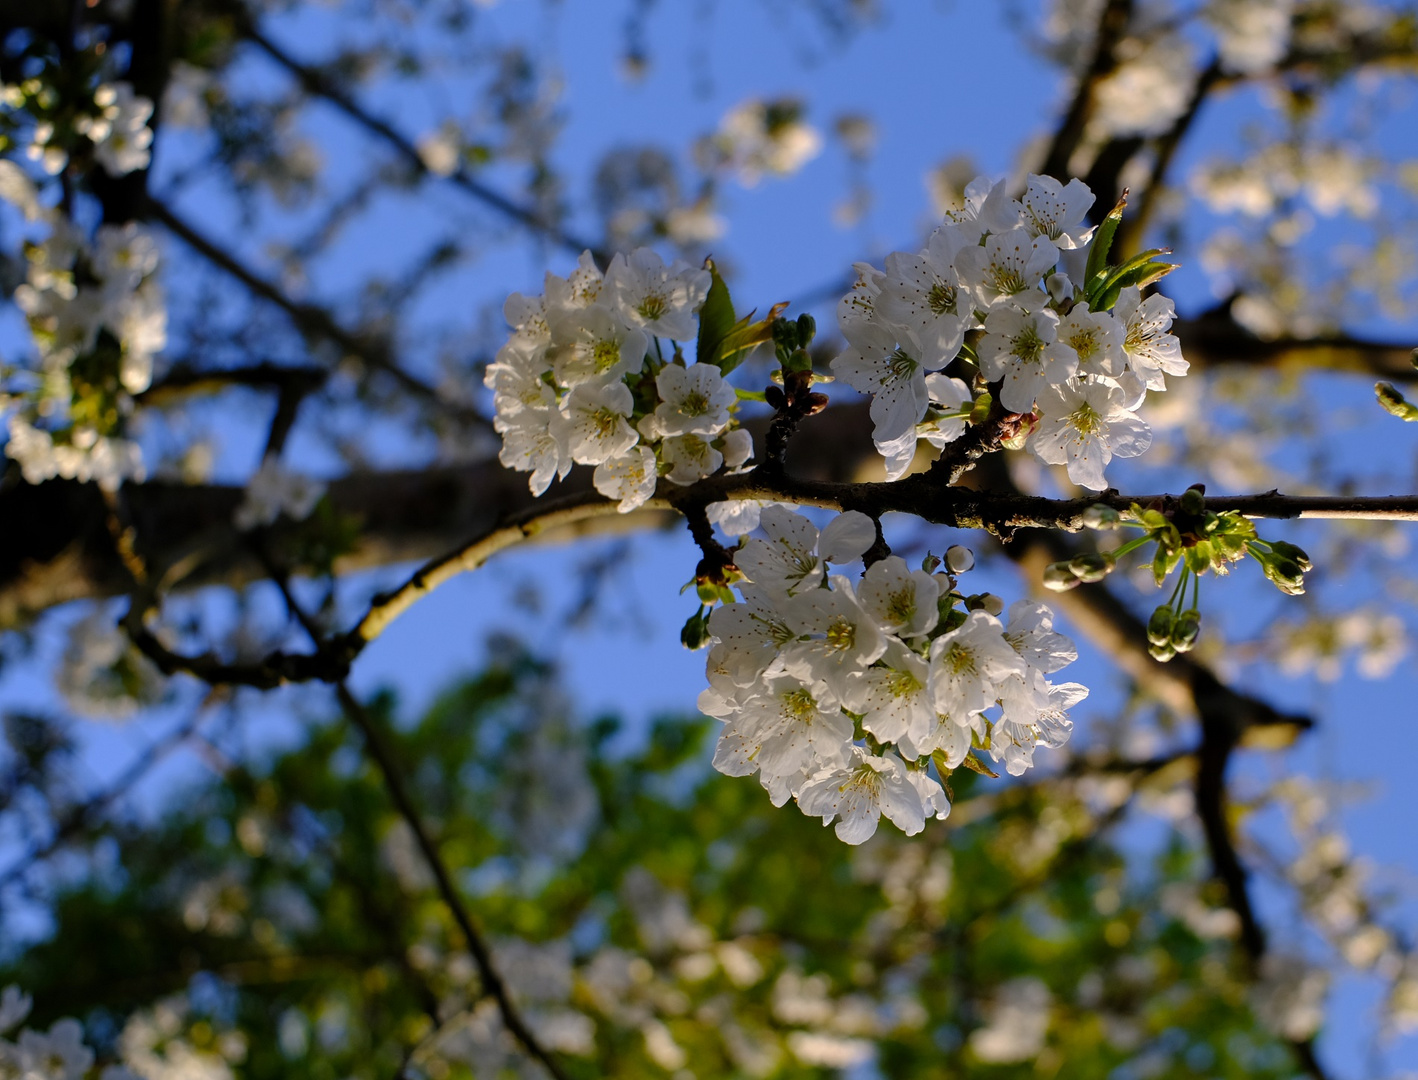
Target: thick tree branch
[{"x": 1112, "y": 25}]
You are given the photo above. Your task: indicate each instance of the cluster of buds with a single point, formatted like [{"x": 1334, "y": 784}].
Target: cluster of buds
[{"x": 1185, "y": 534}]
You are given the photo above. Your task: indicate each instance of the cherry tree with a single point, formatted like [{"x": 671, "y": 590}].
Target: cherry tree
[{"x": 180, "y": 203}]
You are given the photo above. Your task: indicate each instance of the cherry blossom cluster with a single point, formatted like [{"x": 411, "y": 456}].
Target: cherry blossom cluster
[
  {"x": 587, "y": 378},
  {"x": 840, "y": 695},
  {"x": 97, "y": 319},
  {"x": 112, "y": 125},
  {"x": 1005, "y": 284}
]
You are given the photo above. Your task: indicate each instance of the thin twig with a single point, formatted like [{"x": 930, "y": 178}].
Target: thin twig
[
  {"x": 80, "y": 816},
  {"x": 492, "y": 981}
]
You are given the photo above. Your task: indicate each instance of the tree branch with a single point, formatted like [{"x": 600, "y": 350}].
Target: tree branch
[
  {"x": 321, "y": 85},
  {"x": 309, "y": 319}
]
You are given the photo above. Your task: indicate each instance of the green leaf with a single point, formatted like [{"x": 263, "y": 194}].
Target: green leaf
[
  {"x": 716, "y": 317},
  {"x": 1140, "y": 275},
  {"x": 974, "y": 764},
  {"x": 1103, "y": 242},
  {"x": 744, "y": 336}
]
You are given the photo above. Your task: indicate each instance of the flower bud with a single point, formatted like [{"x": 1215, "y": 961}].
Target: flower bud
[
  {"x": 695, "y": 634},
  {"x": 1194, "y": 501},
  {"x": 930, "y": 563},
  {"x": 1162, "y": 653},
  {"x": 959, "y": 559},
  {"x": 1186, "y": 630},
  {"x": 984, "y": 601},
  {"x": 1286, "y": 574},
  {"x": 1159, "y": 627},
  {"x": 1393, "y": 402},
  {"x": 1101, "y": 517},
  {"x": 1092, "y": 566},
  {"x": 1294, "y": 554},
  {"x": 807, "y": 327},
  {"x": 1060, "y": 578}
]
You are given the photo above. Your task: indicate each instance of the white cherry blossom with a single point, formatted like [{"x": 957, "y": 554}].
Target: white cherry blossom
[
  {"x": 1151, "y": 351},
  {"x": 693, "y": 400},
  {"x": 1096, "y": 337},
  {"x": 893, "y": 696},
  {"x": 58, "y": 1055},
  {"x": 988, "y": 210},
  {"x": 1007, "y": 264},
  {"x": 949, "y": 734},
  {"x": 1021, "y": 348},
  {"x": 1030, "y": 633},
  {"x": 858, "y": 308},
  {"x": 968, "y": 661},
  {"x": 1035, "y": 713},
  {"x": 1085, "y": 426},
  {"x": 902, "y": 600},
  {"x": 924, "y": 294},
  {"x": 628, "y": 478},
  {"x": 861, "y": 793},
  {"x": 516, "y": 378},
  {"x": 527, "y": 315},
  {"x": 737, "y": 447},
  {"x": 590, "y": 344},
  {"x": 752, "y": 634},
  {"x": 580, "y": 289},
  {"x": 934, "y": 801},
  {"x": 1055, "y": 211},
  {"x": 660, "y": 299},
  {"x": 596, "y": 425},
  {"x": 889, "y": 364},
  {"x": 834, "y": 635},
  {"x": 798, "y": 727},
  {"x": 735, "y": 517},
  {"x": 690, "y": 458},
  {"x": 531, "y": 442},
  {"x": 786, "y": 562}
]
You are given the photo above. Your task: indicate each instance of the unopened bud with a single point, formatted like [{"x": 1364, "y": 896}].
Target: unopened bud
[
  {"x": 1294, "y": 554},
  {"x": 1286, "y": 574},
  {"x": 1092, "y": 566},
  {"x": 1159, "y": 627},
  {"x": 1194, "y": 501},
  {"x": 1060, "y": 578},
  {"x": 1101, "y": 517},
  {"x": 1162, "y": 653},
  {"x": 1186, "y": 630},
  {"x": 807, "y": 327},
  {"x": 695, "y": 633},
  {"x": 1393, "y": 402},
  {"x": 930, "y": 563},
  {"x": 959, "y": 559},
  {"x": 987, "y": 602}
]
